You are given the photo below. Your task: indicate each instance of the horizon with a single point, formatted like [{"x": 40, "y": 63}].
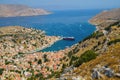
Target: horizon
[{"x": 66, "y": 5}]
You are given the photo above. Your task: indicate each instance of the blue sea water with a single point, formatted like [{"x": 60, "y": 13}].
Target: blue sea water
[{"x": 71, "y": 23}]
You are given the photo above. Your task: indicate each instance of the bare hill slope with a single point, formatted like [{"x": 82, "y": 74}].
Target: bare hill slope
[
  {"x": 10, "y": 10},
  {"x": 106, "y": 18}
]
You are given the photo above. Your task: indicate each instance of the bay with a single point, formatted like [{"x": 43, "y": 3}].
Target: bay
[{"x": 70, "y": 23}]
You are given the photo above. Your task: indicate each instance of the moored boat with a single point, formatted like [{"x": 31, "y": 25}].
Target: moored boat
[{"x": 68, "y": 38}]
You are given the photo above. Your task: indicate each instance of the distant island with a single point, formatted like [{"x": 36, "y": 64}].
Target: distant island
[{"x": 10, "y": 10}]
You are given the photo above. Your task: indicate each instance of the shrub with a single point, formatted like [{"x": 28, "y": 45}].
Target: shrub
[
  {"x": 109, "y": 27},
  {"x": 30, "y": 63},
  {"x": 88, "y": 55},
  {"x": 39, "y": 75},
  {"x": 17, "y": 71},
  {"x": 94, "y": 35},
  {"x": 1, "y": 71},
  {"x": 44, "y": 56},
  {"x": 114, "y": 41},
  {"x": 70, "y": 54},
  {"x": 75, "y": 50},
  {"x": 73, "y": 58},
  {"x": 54, "y": 74},
  {"x": 39, "y": 61},
  {"x": 8, "y": 62},
  {"x": 85, "y": 57},
  {"x": 20, "y": 53},
  {"x": 35, "y": 59}
]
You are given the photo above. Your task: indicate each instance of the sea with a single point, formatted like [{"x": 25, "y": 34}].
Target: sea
[{"x": 64, "y": 23}]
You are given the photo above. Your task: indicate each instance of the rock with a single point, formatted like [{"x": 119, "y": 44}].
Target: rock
[
  {"x": 99, "y": 71},
  {"x": 96, "y": 74},
  {"x": 27, "y": 74},
  {"x": 78, "y": 78},
  {"x": 108, "y": 72},
  {"x": 117, "y": 75}
]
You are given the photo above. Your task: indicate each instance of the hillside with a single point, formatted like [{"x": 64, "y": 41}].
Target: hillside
[
  {"x": 98, "y": 56},
  {"x": 10, "y": 10},
  {"x": 15, "y": 39},
  {"x": 106, "y": 18}
]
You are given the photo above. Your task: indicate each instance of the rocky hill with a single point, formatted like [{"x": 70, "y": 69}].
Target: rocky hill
[
  {"x": 106, "y": 18},
  {"x": 98, "y": 56},
  {"x": 10, "y": 10}
]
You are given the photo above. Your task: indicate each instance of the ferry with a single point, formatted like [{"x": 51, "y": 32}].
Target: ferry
[{"x": 68, "y": 38}]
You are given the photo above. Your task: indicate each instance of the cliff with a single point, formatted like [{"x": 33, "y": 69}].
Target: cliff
[{"x": 9, "y": 10}]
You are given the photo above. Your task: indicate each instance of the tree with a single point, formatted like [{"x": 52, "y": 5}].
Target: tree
[
  {"x": 85, "y": 57},
  {"x": 1, "y": 71},
  {"x": 39, "y": 61}
]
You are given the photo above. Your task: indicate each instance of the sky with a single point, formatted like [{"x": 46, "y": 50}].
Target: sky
[{"x": 66, "y": 4}]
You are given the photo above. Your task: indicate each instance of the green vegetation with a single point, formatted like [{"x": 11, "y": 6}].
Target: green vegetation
[
  {"x": 114, "y": 41},
  {"x": 94, "y": 35},
  {"x": 45, "y": 58},
  {"x": 1, "y": 71},
  {"x": 76, "y": 49},
  {"x": 70, "y": 54},
  {"x": 73, "y": 58},
  {"x": 54, "y": 74},
  {"x": 39, "y": 61},
  {"x": 39, "y": 76},
  {"x": 30, "y": 63},
  {"x": 85, "y": 57},
  {"x": 8, "y": 62},
  {"x": 6, "y": 35},
  {"x": 20, "y": 54},
  {"x": 109, "y": 27},
  {"x": 35, "y": 44},
  {"x": 35, "y": 59}
]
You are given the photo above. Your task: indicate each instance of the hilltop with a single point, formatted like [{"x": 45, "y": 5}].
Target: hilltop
[{"x": 12, "y": 10}]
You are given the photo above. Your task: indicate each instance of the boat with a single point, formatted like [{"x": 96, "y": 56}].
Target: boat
[{"x": 68, "y": 38}]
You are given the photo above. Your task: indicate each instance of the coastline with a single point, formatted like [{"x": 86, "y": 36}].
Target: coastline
[
  {"x": 12, "y": 10},
  {"x": 58, "y": 64},
  {"x": 25, "y": 40},
  {"x": 47, "y": 46}
]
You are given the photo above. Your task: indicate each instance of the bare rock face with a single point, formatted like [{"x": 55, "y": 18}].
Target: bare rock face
[
  {"x": 9, "y": 10},
  {"x": 106, "y": 17}
]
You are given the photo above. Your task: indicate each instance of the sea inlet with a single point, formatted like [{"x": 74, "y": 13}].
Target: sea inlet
[{"x": 71, "y": 23}]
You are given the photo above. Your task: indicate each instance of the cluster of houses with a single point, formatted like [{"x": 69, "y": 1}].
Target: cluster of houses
[
  {"x": 40, "y": 62},
  {"x": 25, "y": 41},
  {"x": 18, "y": 54}
]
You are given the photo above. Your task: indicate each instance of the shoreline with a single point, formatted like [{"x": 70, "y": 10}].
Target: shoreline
[
  {"x": 47, "y": 46},
  {"x": 25, "y": 40}
]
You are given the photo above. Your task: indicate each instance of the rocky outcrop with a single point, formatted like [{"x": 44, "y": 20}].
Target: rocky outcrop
[{"x": 20, "y": 10}]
